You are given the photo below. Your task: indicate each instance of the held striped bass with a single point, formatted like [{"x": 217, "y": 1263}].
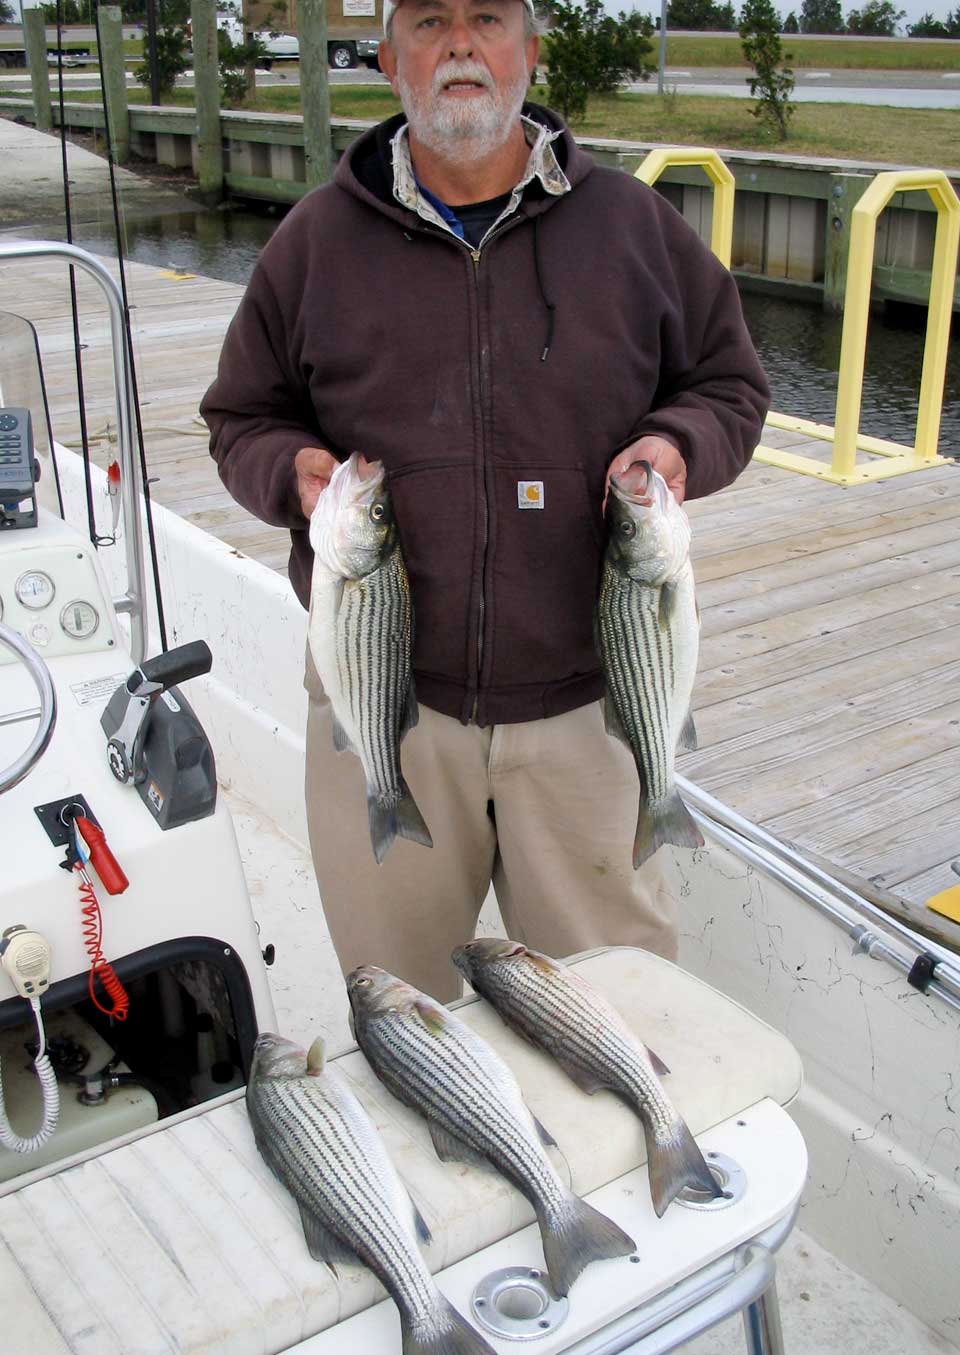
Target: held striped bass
[
  {"x": 435, "y": 1063},
  {"x": 319, "y": 1142},
  {"x": 360, "y": 629},
  {"x": 555, "y": 1008},
  {"x": 648, "y": 634}
]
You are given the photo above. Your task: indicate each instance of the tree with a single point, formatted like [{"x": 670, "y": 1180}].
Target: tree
[
  {"x": 590, "y": 52},
  {"x": 821, "y": 16},
  {"x": 6, "y": 12},
  {"x": 701, "y": 14},
  {"x": 929, "y": 27},
  {"x": 772, "y": 83},
  {"x": 791, "y": 24},
  {"x": 171, "y": 59},
  {"x": 878, "y": 19}
]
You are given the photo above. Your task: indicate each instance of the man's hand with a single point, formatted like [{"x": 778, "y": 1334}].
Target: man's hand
[
  {"x": 662, "y": 456},
  {"x": 313, "y": 467}
]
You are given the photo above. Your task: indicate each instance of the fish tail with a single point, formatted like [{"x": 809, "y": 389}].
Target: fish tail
[
  {"x": 667, "y": 821},
  {"x": 410, "y": 822},
  {"x": 393, "y": 817},
  {"x": 442, "y": 1332},
  {"x": 675, "y": 1162},
  {"x": 574, "y": 1236}
]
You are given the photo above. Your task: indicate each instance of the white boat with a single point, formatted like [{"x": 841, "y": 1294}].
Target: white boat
[{"x": 148, "y": 1222}]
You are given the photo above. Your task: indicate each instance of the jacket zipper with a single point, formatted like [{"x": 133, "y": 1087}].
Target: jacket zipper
[{"x": 475, "y": 256}]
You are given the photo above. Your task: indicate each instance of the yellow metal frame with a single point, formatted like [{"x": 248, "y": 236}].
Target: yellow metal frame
[
  {"x": 724, "y": 188},
  {"x": 897, "y": 459}
]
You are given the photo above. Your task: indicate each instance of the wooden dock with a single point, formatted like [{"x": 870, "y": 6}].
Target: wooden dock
[{"x": 827, "y": 702}]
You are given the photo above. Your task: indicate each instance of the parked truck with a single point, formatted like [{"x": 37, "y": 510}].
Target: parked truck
[{"x": 354, "y": 28}]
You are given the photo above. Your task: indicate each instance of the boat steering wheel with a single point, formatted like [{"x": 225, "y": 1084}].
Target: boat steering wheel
[{"x": 38, "y": 670}]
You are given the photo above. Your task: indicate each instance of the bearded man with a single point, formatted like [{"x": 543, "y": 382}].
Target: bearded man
[{"x": 473, "y": 302}]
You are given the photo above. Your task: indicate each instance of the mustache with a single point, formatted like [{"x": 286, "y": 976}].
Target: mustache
[{"x": 453, "y": 71}]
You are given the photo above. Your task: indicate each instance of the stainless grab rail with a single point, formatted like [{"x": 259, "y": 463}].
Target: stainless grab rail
[
  {"x": 720, "y": 1290},
  {"x": 899, "y": 946},
  {"x": 133, "y": 600},
  {"x": 38, "y": 670}
]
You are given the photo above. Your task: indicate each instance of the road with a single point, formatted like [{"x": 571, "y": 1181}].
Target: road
[{"x": 899, "y": 89}]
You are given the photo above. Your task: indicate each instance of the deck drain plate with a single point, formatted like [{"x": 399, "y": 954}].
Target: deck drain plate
[
  {"x": 518, "y": 1304},
  {"x": 729, "y": 1176}
]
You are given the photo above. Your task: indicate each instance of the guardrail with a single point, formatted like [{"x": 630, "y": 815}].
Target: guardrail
[
  {"x": 892, "y": 458},
  {"x": 845, "y": 436},
  {"x": 724, "y": 189}
]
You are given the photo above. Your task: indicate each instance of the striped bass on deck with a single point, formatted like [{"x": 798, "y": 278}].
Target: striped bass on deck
[
  {"x": 434, "y": 1062},
  {"x": 360, "y": 627},
  {"x": 648, "y": 632},
  {"x": 557, "y": 1010},
  {"x": 320, "y": 1143}
]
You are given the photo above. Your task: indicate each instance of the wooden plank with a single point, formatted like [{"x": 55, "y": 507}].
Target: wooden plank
[
  {"x": 882, "y": 635},
  {"x": 845, "y": 582}
]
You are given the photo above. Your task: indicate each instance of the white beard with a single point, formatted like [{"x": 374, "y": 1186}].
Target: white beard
[{"x": 470, "y": 129}]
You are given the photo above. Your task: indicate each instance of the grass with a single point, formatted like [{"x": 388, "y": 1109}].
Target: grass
[
  {"x": 845, "y": 131},
  {"x": 821, "y": 53}
]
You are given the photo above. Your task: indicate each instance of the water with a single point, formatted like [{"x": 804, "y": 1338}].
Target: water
[{"x": 798, "y": 343}]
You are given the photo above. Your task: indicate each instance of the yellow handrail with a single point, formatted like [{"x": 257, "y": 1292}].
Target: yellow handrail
[
  {"x": 724, "y": 188},
  {"x": 845, "y": 435}
]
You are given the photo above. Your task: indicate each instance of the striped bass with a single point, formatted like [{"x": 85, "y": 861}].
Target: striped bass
[
  {"x": 319, "y": 1142},
  {"x": 359, "y": 631},
  {"x": 648, "y": 632},
  {"x": 557, "y": 1010},
  {"x": 435, "y": 1063}
]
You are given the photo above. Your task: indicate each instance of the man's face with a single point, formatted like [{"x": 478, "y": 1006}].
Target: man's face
[{"x": 461, "y": 70}]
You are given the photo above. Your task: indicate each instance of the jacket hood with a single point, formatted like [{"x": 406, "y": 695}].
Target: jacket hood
[{"x": 366, "y": 168}]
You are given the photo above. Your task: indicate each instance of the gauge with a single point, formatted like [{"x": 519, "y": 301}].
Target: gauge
[
  {"x": 79, "y": 619},
  {"x": 39, "y": 634},
  {"x": 35, "y": 589}
]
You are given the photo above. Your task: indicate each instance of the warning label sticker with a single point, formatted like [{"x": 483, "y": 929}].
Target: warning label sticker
[{"x": 98, "y": 690}]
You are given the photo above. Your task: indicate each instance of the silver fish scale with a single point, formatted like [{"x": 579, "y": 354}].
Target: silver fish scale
[
  {"x": 638, "y": 663},
  {"x": 444, "y": 1077},
  {"x": 568, "y": 1018},
  {"x": 306, "y": 1130},
  {"x": 373, "y": 664}
]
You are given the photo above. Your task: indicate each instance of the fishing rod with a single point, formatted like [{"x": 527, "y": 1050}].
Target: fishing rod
[{"x": 128, "y": 338}]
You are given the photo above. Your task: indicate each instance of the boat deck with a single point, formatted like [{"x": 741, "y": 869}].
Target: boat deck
[{"x": 827, "y": 702}]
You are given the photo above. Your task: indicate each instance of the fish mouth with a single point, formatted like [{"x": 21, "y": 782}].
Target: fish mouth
[{"x": 643, "y": 498}]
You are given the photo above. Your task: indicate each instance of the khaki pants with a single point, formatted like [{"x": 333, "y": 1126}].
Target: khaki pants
[{"x": 546, "y": 810}]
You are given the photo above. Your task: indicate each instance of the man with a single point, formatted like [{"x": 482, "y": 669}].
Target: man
[{"x": 502, "y": 323}]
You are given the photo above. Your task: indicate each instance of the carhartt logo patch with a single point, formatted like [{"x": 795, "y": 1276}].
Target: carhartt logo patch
[{"x": 530, "y": 494}]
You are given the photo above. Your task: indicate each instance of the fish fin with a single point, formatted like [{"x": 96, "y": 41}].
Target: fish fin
[
  {"x": 575, "y": 1235},
  {"x": 321, "y": 1243},
  {"x": 451, "y": 1149},
  {"x": 669, "y": 593},
  {"x": 688, "y": 734},
  {"x": 587, "y": 1082},
  {"x": 421, "y": 1226},
  {"x": 341, "y": 739},
  {"x": 432, "y": 1017},
  {"x": 411, "y": 712},
  {"x": 674, "y": 1162},
  {"x": 441, "y": 1332},
  {"x": 612, "y": 722},
  {"x": 316, "y": 1056},
  {"x": 667, "y": 822},
  {"x": 546, "y": 1138},
  {"x": 410, "y": 824},
  {"x": 657, "y": 1063}
]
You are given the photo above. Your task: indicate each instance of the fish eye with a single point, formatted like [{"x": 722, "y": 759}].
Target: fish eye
[
  {"x": 377, "y": 512},
  {"x": 628, "y": 528},
  {"x": 362, "y": 983}
]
